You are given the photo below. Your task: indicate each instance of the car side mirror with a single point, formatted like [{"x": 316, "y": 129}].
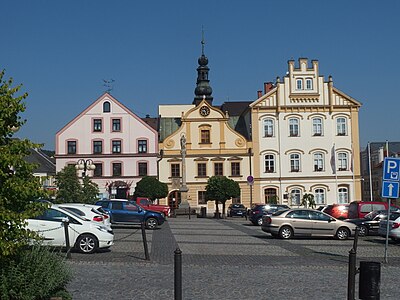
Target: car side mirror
[{"x": 331, "y": 220}]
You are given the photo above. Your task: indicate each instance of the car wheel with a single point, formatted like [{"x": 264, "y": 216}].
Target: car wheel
[
  {"x": 342, "y": 233},
  {"x": 286, "y": 232},
  {"x": 87, "y": 243},
  {"x": 362, "y": 230},
  {"x": 151, "y": 223},
  {"x": 259, "y": 221}
]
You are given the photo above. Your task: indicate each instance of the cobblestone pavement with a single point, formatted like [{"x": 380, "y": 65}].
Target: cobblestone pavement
[{"x": 225, "y": 259}]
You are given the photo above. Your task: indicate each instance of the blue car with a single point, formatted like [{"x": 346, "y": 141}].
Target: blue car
[
  {"x": 259, "y": 210},
  {"x": 128, "y": 212}
]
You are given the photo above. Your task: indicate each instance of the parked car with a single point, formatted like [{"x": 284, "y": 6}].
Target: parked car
[
  {"x": 147, "y": 204},
  {"x": 358, "y": 209},
  {"x": 128, "y": 212},
  {"x": 309, "y": 222},
  {"x": 338, "y": 211},
  {"x": 86, "y": 236},
  {"x": 91, "y": 212},
  {"x": 259, "y": 210},
  {"x": 370, "y": 223},
  {"x": 237, "y": 209},
  {"x": 394, "y": 226}
]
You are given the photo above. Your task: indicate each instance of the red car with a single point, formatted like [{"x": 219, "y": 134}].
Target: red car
[{"x": 338, "y": 211}]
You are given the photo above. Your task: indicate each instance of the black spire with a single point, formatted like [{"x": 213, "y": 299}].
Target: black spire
[{"x": 203, "y": 88}]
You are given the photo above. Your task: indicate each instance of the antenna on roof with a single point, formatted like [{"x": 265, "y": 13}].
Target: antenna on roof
[
  {"x": 202, "y": 40},
  {"x": 109, "y": 85}
]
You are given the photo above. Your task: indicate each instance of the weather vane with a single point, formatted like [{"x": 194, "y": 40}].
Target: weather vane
[{"x": 108, "y": 84}]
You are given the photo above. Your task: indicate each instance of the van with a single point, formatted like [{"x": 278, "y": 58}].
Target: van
[{"x": 358, "y": 209}]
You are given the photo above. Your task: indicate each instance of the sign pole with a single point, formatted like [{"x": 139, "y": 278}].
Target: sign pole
[{"x": 387, "y": 232}]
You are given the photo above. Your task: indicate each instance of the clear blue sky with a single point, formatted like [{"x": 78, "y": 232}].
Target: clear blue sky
[{"x": 62, "y": 50}]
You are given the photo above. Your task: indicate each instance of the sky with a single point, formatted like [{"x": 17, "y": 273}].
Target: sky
[{"x": 62, "y": 51}]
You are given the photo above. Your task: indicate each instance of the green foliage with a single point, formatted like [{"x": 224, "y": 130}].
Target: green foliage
[
  {"x": 308, "y": 201},
  {"x": 89, "y": 191},
  {"x": 18, "y": 186},
  {"x": 151, "y": 187},
  {"x": 273, "y": 199},
  {"x": 33, "y": 273},
  {"x": 220, "y": 189},
  {"x": 69, "y": 188}
]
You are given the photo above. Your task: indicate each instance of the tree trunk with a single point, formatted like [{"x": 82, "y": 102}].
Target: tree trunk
[
  {"x": 223, "y": 210},
  {"x": 217, "y": 210}
]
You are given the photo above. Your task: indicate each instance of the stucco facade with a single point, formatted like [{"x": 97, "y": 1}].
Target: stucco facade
[
  {"x": 121, "y": 146},
  {"x": 305, "y": 139}
]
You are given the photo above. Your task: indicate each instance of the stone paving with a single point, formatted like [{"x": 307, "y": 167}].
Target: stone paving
[{"x": 225, "y": 259}]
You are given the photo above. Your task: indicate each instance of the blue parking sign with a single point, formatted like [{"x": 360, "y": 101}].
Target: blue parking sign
[
  {"x": 391, "y": 169},
  {"x": 390, "y": 189}
]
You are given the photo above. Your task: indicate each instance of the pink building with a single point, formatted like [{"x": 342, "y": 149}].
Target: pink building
[{"x": 122, "y": 147}]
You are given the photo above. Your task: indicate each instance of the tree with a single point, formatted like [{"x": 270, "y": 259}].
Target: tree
[
  {"x": 151, "y": 188},
  {"x": 18, "y": 186},
  {"x": 220, "y": 189},
  {"x": 308, "y": 200},
  {"x": 69, "y": 188},
  {"x": 89, "y": 192}
]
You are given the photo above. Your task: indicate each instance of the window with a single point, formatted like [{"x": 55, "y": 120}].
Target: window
[
  {"x": 106, "y": 107},
  {"x": 235, "y": 169},
  {"x": 341, "y": 126},
  {"x": 309, "y": 84},
  {"x": 205, "y": 136},
  {"x": 218, "y": 169},
  {"x": 116, "y": 124},
  {"x": 97, "y": 147},
  {"x": 116, "y": 146},
  {"x": 269, "y": 163},
  {"x": 294, "y": 162},
  {"x": 317, "y": 126},
  {"x": 175, "y": 170},
  {"x": 293, "y": 127},
  {"x": 97, "y": 125},
  {"x": 299, "y": 84},
  {"x": 343, "y": 195},
  {"x": 117, "y": 169},
  {"x": 98, "y": 171},
  {"x": 319, "y": 196},
  {"x": 299, "y": 214},
  {"x": 71, "y": 147},
  {"x": 318, "y": 162},
  {"x": 295, "y": 197},
  {"x": 142, "y": 146},
  {"x": 342, "y": 161},
  {"x": 270, "y": 195},
  {"x": 201, "y": 170},
  {"x": 142, "y": 168},
  {"x": 201, "y": 196},
  {"x": 268, "y": 128}
]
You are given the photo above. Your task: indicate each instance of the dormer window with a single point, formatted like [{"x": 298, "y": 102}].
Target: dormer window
[
  {"x": 309, "y": 85},
  {"x": 299, "y": 84},
  {"x": 106, "y": 107}
]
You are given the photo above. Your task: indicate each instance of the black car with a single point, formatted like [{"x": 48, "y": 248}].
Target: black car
[
  {"x": 370, "y": 223},
  {"x": 259, "y": 210},
  {"x": 237, "y": 209},
  {"x": 128, "y": 212}
]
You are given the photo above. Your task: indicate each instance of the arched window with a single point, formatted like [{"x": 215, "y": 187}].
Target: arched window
[
  {"x": 341, "y": 126},
  {"x": 268, "y": 127},
  {"x": 342, "y": 161},
  {"x": 295, "y": 196},
  {"x": 106, "y": 107},
  {"x": 299, "y": 84},
  {"x": 295, "y": 162},
  {"x": 317, "y": 126},
  {"x": 343, "y": 195},
  {"x": 309, "y": 85},
  {"x": 319, "y": 196},
  {"x": 269, "y": 163},
  {"x": 270, "y": 195},
  {"x": 293, "y": 127},
  {"x": 318, "y": 162}
]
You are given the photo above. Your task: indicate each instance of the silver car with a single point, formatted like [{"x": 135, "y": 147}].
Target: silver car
[
  {"x": 394, "y": 226},
  {"x": 308, "y": 222}
]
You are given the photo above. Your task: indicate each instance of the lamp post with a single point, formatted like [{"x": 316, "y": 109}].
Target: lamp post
[{"x": 85, "y": 165}]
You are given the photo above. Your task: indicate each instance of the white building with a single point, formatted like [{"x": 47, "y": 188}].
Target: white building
[
  {"x": 121, "y": 146},
  {"x": 305, "y": 139}
]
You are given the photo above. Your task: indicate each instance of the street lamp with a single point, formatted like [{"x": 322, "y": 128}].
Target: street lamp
[{"x": 85, "y": 165}]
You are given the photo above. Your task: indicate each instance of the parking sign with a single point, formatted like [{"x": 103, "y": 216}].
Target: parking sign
[{"x": 391, "y": 169}]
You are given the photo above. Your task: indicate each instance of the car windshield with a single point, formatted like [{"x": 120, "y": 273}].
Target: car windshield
[
  {"x": 394, "y": 216},
  {"x": 279, "y": 212},
  {"x": 237, "y": 206},
  {"x": 372, "y": 214}
]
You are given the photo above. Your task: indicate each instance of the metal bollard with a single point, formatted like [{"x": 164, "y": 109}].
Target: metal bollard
[
  {"x": 67, "y": 244},
  {"x": 146, "y": 249},
  {"x": 178, "y": 274},
  {"x": 351, "y": 280},
  {"x": 370, "y": 280}
]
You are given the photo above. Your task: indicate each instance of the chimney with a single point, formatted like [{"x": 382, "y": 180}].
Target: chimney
[
  {"x": 268, "y": 86},
  {"x": 259, "y": 94},
  {"x": 147, "y": 116}
]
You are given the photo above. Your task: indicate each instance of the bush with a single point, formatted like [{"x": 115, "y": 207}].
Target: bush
[{"x": 34, "y": 273}]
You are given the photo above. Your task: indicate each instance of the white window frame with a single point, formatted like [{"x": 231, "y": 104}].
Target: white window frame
[
  {"x": 318, "y": 158},
  {"x": 295, "y": 196},
  {"x": 341, "y": 126},
  {"x": 269, "y": 163},
  {"x": 294, "y": 127},
  {"x": 319, "y": 196},
  {"x": 343, "y": 161},
  {"x": 295, "y": 162},
  {"x": 299, "y": 84},
  {"x": 317, "y": 127},
  {"x": 309, "y": 84},
  {"x": 268, "y": 127},
  {"x": 343, "y": 193}
]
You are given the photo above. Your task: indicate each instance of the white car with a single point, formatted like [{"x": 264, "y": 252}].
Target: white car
[
  {"x": 394, "y": 226},
  {"x": 91, "y": 212},
  {"x": 86, "y": 236}
]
